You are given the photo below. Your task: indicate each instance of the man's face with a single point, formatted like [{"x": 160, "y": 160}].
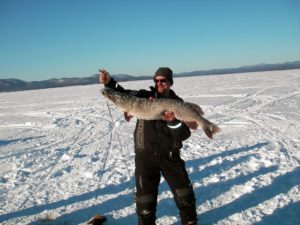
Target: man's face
[{"x": 162, "y": 85}]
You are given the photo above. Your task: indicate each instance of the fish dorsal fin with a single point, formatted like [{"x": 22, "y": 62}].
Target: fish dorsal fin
[{"x": 196, "y": 108}]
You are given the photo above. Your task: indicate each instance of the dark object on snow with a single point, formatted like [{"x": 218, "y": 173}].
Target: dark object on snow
[{"x": 97, "y": 220}]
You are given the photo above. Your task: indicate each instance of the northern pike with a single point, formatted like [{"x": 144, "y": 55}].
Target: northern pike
[{"x": 153, "y": 109}]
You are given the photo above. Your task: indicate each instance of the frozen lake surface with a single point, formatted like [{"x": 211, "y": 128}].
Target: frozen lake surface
[{"x": 60, "y": 157}]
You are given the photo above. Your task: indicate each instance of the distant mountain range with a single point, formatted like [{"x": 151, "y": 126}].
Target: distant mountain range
[{"x": 7, "y": 85}]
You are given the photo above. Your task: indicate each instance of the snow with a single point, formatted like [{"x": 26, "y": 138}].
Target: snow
[{"x": 63, "y": 160}]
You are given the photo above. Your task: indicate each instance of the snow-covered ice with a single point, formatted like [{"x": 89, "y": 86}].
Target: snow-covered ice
[{"x": 63, "y": 160}]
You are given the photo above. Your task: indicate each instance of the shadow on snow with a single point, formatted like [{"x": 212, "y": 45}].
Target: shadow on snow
[
  {"x": 281, "y": 184},
  {"x": 288, "y": 215},
  {"x": 167, "y": 207}
]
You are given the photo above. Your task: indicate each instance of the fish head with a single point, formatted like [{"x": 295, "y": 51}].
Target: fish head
[
  {"x": 119, "y": 99},
  {"x": 111, "y": 94}
]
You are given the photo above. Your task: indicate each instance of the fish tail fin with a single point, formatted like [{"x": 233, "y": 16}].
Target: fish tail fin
[
  {"x": 208, "y": 132},
  {"x": 215, "y": 128},
  {"x": 211, "y": 130}
]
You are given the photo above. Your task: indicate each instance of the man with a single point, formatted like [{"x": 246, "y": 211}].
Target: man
[{"x": 157, "y": 151}]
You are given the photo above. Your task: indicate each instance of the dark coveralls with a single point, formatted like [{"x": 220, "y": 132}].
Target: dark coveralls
[{"x": 157, "y": 151}]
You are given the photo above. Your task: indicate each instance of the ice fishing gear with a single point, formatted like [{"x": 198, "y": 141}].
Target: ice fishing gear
[
  {"x": 97, "y": 220},
  {"x": 119, "y": 140}
]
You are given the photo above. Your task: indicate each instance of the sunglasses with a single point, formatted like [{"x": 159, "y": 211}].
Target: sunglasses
[{"x": 163, "y": 81}]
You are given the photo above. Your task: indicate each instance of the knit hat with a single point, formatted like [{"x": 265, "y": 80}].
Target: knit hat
[{"x": 164, "y": 72}]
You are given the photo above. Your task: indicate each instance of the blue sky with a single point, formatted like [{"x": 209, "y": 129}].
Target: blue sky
[{"x": 43, "y": 39}]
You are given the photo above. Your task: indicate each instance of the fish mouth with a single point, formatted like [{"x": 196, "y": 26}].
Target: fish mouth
[{"x": 105, "y": 93}]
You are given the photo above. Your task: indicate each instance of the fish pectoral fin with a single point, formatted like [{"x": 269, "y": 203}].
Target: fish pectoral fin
[
  {"x": 127, "y": 116},
  {"x": 191, "y": 124}
]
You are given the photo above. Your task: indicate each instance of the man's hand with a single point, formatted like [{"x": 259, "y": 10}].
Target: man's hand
[
  {"x": 168, "y": 116},
  {"x": 104, "y": 77}
]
